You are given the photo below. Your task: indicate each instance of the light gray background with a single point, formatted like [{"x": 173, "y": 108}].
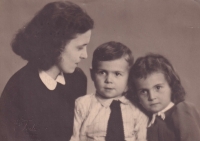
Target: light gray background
[{"x": 169, "y": 27}]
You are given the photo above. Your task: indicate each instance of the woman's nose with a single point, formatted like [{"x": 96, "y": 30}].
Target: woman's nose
[{"x": 84, "y": 54}]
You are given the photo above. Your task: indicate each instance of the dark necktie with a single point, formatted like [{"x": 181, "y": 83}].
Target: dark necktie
[{"x": 115, "y": 130}]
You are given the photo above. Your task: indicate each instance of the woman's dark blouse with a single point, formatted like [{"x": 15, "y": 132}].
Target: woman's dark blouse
[
  {"x": 31, "y": 112},
  {"x": 182, "y": 123}
]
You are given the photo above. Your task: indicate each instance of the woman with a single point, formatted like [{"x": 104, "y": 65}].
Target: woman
[{"x": 37, "y": 102}]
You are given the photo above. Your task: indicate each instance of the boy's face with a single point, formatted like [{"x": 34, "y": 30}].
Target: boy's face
[
  {"x": 154, "y": 92},
  {"x": 111, "y": 77}
]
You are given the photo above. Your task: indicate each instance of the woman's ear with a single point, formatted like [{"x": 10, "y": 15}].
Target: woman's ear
[{"x": 92, "y": 73}]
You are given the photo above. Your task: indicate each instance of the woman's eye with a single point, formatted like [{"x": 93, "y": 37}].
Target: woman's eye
[{"x": 80, "y": 47}]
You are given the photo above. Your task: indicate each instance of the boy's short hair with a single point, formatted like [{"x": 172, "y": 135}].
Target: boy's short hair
[
  {"x": 43, "y": 39},
  {"x": 151, "y": 63},
  {"x": 111, "y": 51}
]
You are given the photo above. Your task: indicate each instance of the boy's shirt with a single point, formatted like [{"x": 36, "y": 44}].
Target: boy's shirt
[{"x": 91, "y": 118}]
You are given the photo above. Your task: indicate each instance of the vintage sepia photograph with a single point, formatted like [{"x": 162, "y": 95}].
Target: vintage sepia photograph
[{"x": 100, "y": 70}]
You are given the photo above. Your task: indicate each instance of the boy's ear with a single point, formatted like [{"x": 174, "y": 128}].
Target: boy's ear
[{"x": 92, "y": 73}]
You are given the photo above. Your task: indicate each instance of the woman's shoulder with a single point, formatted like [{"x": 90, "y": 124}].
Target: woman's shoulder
[
  {"x": 19, "y": 80},
  {"x": 21, "y": 74}
]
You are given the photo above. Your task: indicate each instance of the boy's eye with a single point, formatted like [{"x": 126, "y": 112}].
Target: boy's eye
[
  {"x": 101, "y": 72},
  {"x": 118, "y": 74}
]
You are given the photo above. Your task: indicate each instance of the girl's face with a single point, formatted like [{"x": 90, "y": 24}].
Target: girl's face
[{"x": 154, "y": 92}]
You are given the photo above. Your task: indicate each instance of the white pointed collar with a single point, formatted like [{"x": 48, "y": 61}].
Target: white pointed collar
[
  {"x": 161, "y": 113},
  {"x": 49, "y": 82}
]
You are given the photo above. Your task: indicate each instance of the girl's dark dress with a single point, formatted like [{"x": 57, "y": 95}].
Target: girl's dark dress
[
  {"x": 31, "y": 112},
  {"x": 182, "y": 123}
]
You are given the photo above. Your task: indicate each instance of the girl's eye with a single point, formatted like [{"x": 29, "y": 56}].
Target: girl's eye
[
  {"x": 158, "y": 87},
  {"x": 143, "y": 92}
]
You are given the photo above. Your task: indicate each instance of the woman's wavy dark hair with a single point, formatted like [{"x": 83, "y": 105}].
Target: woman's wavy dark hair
[
  {"x": 42, "y": 40},
  {"x": 151, "y": 63}
]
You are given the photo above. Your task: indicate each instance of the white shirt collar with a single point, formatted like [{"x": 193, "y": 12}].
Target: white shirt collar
[
  {"x": 171, "y": 104},
  {"x": 161, "y": 113},
  {"x": 49, "y": 82}
]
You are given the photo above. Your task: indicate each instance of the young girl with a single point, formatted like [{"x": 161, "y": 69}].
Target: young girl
[{"x": 157, "y": 87}]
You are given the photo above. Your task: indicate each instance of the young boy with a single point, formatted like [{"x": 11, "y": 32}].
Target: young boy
[
  {"x": 157, "y": 87},
  {"x": 93, "y": 115}
]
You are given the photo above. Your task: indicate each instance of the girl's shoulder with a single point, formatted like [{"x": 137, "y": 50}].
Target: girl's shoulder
[
  {"x": 185, "y": 110},
  {"x": 186, "y": 119},
  {"x": 185, "y": 107}
]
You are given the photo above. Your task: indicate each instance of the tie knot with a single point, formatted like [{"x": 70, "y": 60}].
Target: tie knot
[{"x": 115, "y": 104}]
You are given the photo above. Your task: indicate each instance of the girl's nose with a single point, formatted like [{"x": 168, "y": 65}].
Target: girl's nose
[{"x": 152, "y": 96}]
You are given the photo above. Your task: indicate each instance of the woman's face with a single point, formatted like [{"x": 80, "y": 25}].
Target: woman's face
[{"x": 74, "y": 52}]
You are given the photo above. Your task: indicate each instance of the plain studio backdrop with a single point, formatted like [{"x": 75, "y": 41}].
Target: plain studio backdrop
[{"x": 169, "y": 27}]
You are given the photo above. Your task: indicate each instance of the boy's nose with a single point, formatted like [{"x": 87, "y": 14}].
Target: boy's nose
[{"x": 108, "y": 79}]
